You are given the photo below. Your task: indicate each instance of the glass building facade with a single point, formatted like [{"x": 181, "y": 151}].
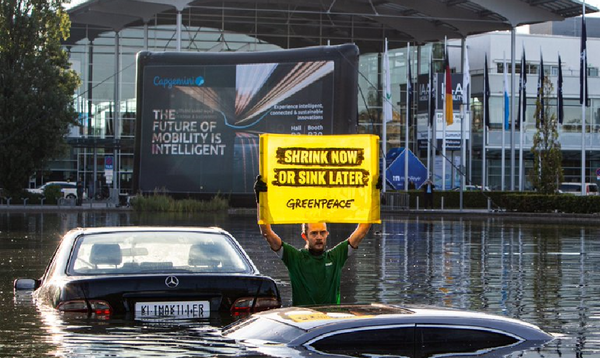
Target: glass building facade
[{"x": 108, "y": 79}]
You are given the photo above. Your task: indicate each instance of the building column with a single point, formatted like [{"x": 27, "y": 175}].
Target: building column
[
  {"x": 116, "y": 115},
  {"x": 178, "y": 30}
]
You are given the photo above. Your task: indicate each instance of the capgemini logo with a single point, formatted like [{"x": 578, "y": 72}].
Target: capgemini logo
[{"x": 169, "y": 82}]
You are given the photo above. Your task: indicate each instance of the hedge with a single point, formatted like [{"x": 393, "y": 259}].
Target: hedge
[{"x": 511, "y": 201}]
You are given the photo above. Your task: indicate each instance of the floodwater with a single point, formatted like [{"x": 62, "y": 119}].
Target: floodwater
[{"x": 545, "y": 274}]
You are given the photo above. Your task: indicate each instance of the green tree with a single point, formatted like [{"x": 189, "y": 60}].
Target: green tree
[
  {"x": 36, "y": 105},
  {"x": 547, "y": 173}
]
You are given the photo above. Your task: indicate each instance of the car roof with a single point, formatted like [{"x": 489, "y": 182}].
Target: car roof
[
  {"x": 111, "y": 229},
  {"x": 316, "y": 320}
]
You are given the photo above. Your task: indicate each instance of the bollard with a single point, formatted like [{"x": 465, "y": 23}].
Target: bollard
[
  {"x": 42, "y": 200},
  {"x": 8, "y": 201},
  {"x": 442, "y": 204},
  {"x": 417, "y": 203},
  {"x": 24, "y": 201},
  {"x": 489, "y": 204}
]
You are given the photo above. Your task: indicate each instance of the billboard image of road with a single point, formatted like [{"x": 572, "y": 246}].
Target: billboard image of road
[{"x": 199, "y": 115}]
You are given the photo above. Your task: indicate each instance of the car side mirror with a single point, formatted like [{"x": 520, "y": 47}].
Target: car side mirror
[{"x": 25, "y": 284}]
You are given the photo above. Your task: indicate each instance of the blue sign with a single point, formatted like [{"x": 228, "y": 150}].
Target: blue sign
[
  {"x": 108, "y": 162},
  {"x": 417, "y": 172}
]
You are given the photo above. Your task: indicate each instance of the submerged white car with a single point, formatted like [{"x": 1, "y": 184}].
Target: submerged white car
[{"x": 383, "y": 330}]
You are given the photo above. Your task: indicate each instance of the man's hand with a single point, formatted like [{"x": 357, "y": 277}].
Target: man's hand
[{"x": 259, "y": 185}]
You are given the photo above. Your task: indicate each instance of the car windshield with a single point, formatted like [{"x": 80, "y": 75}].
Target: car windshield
[{"x": 155, "y": 252}]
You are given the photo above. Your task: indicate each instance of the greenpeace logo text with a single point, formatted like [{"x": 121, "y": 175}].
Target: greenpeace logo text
[{"x": 169, "y": 82}]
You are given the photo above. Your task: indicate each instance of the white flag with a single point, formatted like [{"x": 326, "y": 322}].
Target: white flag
[
  {"x": 387, "y": 87},
  {"x": 466, "y": 77}
]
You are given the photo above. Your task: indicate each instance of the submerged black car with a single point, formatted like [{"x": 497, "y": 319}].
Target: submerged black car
[
  {"x": 380, "y": 330},
  {"x": 152, "y": 272}
]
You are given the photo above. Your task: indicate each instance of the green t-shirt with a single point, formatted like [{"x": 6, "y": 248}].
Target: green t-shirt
[{"x": 315, "y": 279}]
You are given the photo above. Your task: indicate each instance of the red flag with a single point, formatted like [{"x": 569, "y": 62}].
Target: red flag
[{"x": 448, "y": 92}]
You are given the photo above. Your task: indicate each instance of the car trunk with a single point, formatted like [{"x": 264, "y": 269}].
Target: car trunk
[{"x": 166, "y": 294}]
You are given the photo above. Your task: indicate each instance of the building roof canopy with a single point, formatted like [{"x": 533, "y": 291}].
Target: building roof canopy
[{"x": 292, "y": 24}]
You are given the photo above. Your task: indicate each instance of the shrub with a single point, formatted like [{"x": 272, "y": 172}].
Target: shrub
[{"x": 163, "y": 203}]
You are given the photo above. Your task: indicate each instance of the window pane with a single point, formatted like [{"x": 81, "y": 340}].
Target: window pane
[
  {"x": 383, "y": 340},
  {"x": 443, "y": 340}
]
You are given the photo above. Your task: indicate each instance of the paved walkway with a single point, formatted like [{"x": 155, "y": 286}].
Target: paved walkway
[{"x": 96, "y": 205}]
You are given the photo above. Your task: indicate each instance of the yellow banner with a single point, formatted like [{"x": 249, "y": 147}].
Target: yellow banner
[{"x": 319, "y": 179}]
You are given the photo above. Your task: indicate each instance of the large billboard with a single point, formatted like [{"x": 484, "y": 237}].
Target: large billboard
[{"x": 199, "y": 115}]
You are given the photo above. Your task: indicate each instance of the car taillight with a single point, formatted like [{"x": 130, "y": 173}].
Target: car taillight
[
  {"x": 247, "y": 305},
  {"x": 100, "y": 308}
]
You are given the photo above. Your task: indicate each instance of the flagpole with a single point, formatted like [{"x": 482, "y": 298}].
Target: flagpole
[
  {"x": 484, "y": 141},
  {"x": 463, "y": 138},
  {"x": 522, "y": 103},
  {"x": 429, "y": 116},
  {"x": 483, "y": 158},
  {"x": 434, "y": 130},
  {"x": 466, "y": 84},
  {"x": 445, "y": 121},
  {"x": 512, "y": 119},
  {"x": 434, "y": 125},
  {"x": 584, "y": 97},
  {"x": 503, "y": 155},
  {"x": 408, "y": 85},
  {"x": 386, "y": 78}
]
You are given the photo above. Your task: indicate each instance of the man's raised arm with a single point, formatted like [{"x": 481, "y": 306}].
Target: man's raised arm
[
  {"x": 265, "y": 229},
  {"x": 358, "y": 235},
  {"x": 272, "y": 238}
]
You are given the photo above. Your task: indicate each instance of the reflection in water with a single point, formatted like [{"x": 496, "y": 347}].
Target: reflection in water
[
  {"x": 544, "y": 274},
  {"x": 80, "y": 337}
]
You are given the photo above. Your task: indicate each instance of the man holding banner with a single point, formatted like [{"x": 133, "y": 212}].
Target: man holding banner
[
  {"x": 315, "y": 273},
  {"x": 313, "y": 180}
]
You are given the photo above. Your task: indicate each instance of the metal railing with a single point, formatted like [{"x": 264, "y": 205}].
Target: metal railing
[{"x": 395, "y": 201}]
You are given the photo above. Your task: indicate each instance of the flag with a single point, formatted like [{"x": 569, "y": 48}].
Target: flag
[
  {"x": 486, "y": 94},
  {"x": 448, "y": 91},
  {"x": 432, "y": 98},
  {"x": 540, "y": 90},
  {"x": 583, "y": 81},
  {"x": 559, "y": 92},
  {"x": 387, "y": 87},
  {"x": 506, "y": 100},
  {"x": 409, "y": 91},
  {"x": 466, "y": 79}
]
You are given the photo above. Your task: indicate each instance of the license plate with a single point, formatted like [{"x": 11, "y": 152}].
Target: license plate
[{"x": 177, "y": 309}]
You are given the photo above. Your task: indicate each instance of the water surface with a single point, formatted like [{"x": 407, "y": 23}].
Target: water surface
[{"x": 545, "y": 274}]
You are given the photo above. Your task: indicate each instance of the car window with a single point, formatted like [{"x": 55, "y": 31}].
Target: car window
[
  {"x": 447, "y": 340},
  {"x": 593, "y": 188},
  {"x": 570, "y": 188},
  {"x": 152, "y": 252},
  {"x": 394, "y": 341}
]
